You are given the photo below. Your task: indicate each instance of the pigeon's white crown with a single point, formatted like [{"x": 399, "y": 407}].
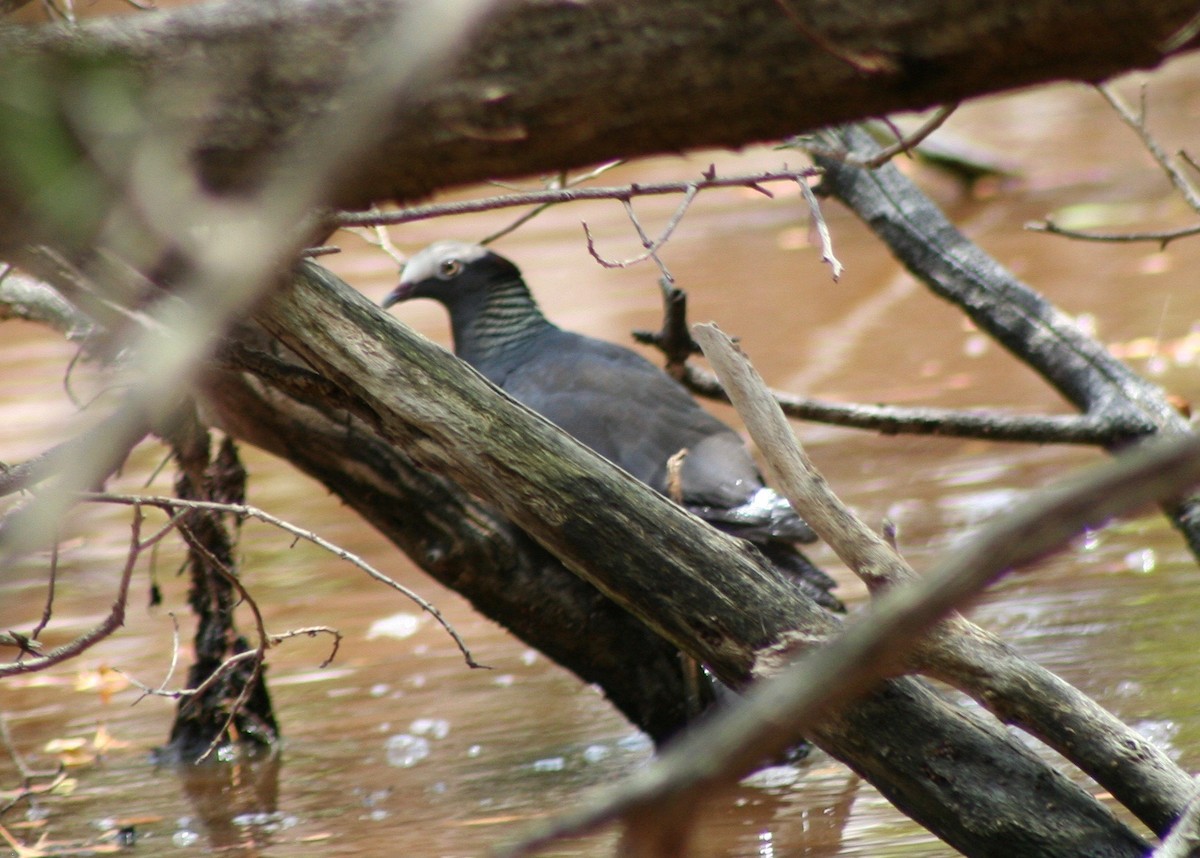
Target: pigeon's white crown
[{"x": 428, "y": 262}]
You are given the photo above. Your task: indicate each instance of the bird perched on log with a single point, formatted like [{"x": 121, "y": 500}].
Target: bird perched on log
[{"x": 611, "y": 399}]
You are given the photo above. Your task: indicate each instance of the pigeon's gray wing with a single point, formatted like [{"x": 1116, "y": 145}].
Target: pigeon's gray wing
[{"x": 633, "y": 414}]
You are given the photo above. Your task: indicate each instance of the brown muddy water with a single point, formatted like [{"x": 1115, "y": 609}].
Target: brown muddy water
[{"x": 397, "y": 748}]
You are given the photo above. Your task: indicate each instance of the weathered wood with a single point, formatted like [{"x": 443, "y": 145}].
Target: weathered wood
[
  {"x": 1020, "y": 319},
  {"x": 586, "y": 511},
  {"x": 1141, "y": 776},
  {"x": 972, "y": 659},
  {"x": 929, "y": 757},
  {"x": 1039, "y": 334},
  {"x": 467, "y": 546},
  {"x": 1018, "y": 691}
]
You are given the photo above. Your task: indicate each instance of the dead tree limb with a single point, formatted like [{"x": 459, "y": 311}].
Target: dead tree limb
[
  {"x": 707, "y": 595},
  {"x": 972, "y": 659},
  {"x": 732, "y": 741},
  {"x": 463, "y": 543},
  {"x": 1017, "y": 317}
]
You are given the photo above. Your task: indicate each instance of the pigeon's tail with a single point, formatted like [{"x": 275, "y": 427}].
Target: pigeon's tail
[
  {"x": 768, "y": 521},
  {"x": 765, "y": 515}
]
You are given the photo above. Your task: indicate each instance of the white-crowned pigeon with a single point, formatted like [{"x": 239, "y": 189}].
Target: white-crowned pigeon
[{"x": 610, "y": 398}]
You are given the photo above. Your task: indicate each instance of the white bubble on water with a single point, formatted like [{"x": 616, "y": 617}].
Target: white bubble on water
[
  {"x": 438, "y": 728},
  {"x": 549, "y": 764},
  {"x": 185, "y": 838},
  {"x": 405, "y": 751}
]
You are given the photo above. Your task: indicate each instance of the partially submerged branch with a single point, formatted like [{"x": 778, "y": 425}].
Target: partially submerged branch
[
  {"x": 420, "y": 398},
  {"x": 732, "y": 741},
  {"x": 1020, "y": 319}
]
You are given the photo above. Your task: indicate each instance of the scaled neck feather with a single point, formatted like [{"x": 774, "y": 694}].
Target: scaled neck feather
[{"x": 508, "y": 318}]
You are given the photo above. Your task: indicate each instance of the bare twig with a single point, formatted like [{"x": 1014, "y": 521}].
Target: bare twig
[
  {"x": 377, "y": 236},
  {"x": 225, "y": 667},
  {"x": 1180, "y": 181},
  {"x": 822, "y": 230},
  {"x": 114, "y": 620},
  {"x": 667, "y": 278},
  {"x": 1137, "y": 121},
  {"x": 560, "y": 181},
  {"x": 651, "y": 246},
  {"x": 244, "y": 511},
  {"x": 566, "y": 195},
  {"x": 904, "y": 144},
  {"x": 859, "y": 547},
  {"x": 161, "y": 690},
  {"x": 231, "y": 662},
  {"x": 1160, "y": 237},
  {"x": 947, "y": 422},
  {"x": 48, "y": 610},
  {"x": 312, "y": 632}
]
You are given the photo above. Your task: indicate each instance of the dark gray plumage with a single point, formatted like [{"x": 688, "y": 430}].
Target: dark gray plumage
[{"x": 610, "y": 398}]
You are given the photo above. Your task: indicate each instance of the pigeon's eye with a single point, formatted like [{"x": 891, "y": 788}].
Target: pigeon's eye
[{"x": 449, "y": 268}]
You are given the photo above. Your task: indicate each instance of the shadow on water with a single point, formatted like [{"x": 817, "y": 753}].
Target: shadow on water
[{"x": 398, "y": 748}]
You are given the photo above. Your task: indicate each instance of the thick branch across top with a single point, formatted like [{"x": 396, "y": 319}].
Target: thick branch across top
[{"x": 542, "y": 86}]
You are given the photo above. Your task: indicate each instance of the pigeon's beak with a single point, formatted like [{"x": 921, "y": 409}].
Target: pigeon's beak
[{"x": 401, "y": 293}]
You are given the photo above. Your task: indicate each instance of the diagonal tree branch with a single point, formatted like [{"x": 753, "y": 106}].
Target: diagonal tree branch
[
  {"x": 722, "y": 606},
  {"x": 1021, "y": 320}
]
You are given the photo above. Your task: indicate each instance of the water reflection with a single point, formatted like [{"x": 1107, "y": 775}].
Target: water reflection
[{"x": 233, "y": 803}]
